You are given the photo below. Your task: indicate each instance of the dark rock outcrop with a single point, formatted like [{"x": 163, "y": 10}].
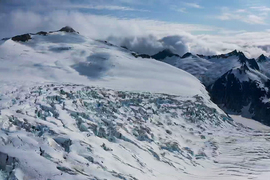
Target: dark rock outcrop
[
  {"x": 5, "y": 39},
  {"x": 22, "y": 38},
  {"x": 223, "y": 56},
  {"x": 68, "y": 29},
  {"x": 261, "y": 58},
  {"x": 233, "y": 93},
  {"x": 42, "y": 33},
  {"x": 188, "y": 54},
  {"x": 141, "y": 55},
  {"x": 249, "y": 62},
  {"x": 159, "y": 56},
  {"x": 164, "y": 54}
]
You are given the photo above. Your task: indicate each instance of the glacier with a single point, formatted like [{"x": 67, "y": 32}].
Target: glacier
[{"x": 72, "y": 107}]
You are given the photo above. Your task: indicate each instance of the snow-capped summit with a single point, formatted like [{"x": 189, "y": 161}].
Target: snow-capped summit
[{"x": 61, "y": 56}]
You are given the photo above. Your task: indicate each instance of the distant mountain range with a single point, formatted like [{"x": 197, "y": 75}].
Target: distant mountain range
[{"x": 236, "y": 83}]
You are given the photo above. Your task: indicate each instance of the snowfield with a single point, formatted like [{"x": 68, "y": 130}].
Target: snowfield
[
  {"x": 76, "y": 108},
  {"x": 73, "y": 58}
]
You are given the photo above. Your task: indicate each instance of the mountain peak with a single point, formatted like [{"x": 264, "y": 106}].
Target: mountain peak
[
  {"x": 22, "y": 38},
  {"x": 242, "y": 58},
  {"x": 234, "y": 52},
  {"x": 188, "y": 54},
  {"x": 68, "y": 29},
  {"x": 261, "y": 58},
  {"x": 163, "y": 54}
]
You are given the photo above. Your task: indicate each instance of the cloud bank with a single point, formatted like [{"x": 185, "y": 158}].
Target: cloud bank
[{"x": 141, "y": 35}]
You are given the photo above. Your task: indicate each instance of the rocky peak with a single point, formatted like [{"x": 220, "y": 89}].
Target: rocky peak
[
  {"x": 67, "y": 29},
  {"x": 242, "y": 58},
  {"x": 188, "y": 54},
  {"x": 224, "y": 56},
  {"x": 22, "y": 38},
  {"x": 251, "y": 63},
  {"x": 42, "y": 33},
  {"x": 163, "y": 54},
  {"x": 234, "y": 53},
  {"x": 261, "y": 58}
]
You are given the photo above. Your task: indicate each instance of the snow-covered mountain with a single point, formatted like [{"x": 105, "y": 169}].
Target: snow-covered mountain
[
  {"x": 76, "y": 108},
  {"x": 72, "y": 58},
  {"x": 206, "y": 68},
  {"x": 243, "y": 90},
  {"x": 236, "y": 83},
  {"x": 264, "y": 63}
]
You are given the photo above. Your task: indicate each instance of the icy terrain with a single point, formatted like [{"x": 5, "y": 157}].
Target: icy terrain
[
  {"x": 76, "y": 108},
  {"x": 80, "y": 132}
]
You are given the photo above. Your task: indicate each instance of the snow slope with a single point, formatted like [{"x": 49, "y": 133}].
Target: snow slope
[{"x": 73, "y": 58}]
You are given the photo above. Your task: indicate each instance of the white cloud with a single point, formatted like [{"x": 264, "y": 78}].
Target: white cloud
[
  {"x": 182, "y": 10},
  {"x": 139, "y": 34},
  {"x": 261, "y": 8},
  {"x": 193, "y": 5},
  {"x": 243, "y": 16},
  {"x": 241, "y": 11},
  {"x": 92, "y": 25},
  {"x": 102, "y": 7}
]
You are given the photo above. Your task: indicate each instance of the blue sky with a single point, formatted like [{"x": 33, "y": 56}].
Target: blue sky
[
  {"x": 249, "y": 15},
  {"x": 199, "y": 26},
  {"x": 234, "y": 15}
]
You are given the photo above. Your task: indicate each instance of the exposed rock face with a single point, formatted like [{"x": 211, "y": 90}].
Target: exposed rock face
[
  {"x": 223, "y": 56},
  {"x": 262, "y": 58},
  {"x": 68, "y": 29},
  {"x": 42, "y": 33},
  {"x": 187, "y": 55},
  {"x": 26, "y": 37},
  {"x": 159, "y": 56},
  {"x": 242, "y": 89},
  {"x": 250, "y": 62},
  {"x": 140, "y": 55},
  {"x": 22, "y": 38},
  {"x": 163, "y": 54},
  {"x": 238, "y": 92}
]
